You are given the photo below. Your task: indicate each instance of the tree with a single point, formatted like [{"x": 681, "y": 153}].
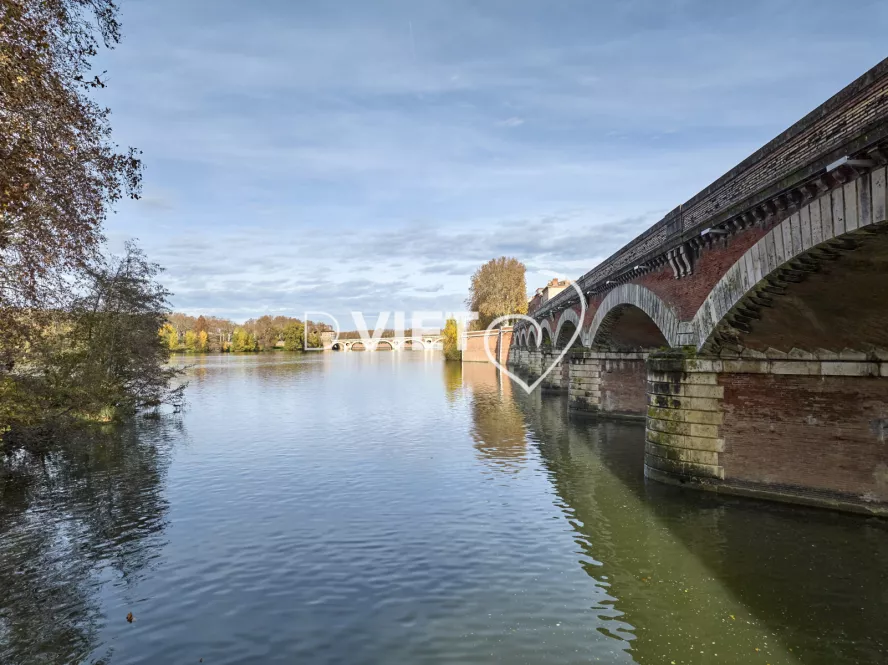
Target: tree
[
  {"x": 498, "y": 288},
  {"x": 201, "y": 325},
  {"x": 451, "y": 341},
  {"x": 102, "y": 357},
  {"x": 243, "y": 341},
  {"x": 203, "y": 342},
  {"x": 190, "y": 341},
  {"x": 294, "y": 336},
  {"x": 59, "y": 171},
  {"x": 170, "y": 337}
]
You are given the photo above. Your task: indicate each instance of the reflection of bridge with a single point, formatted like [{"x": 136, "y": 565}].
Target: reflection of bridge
[{"x": 424, "y": 343}]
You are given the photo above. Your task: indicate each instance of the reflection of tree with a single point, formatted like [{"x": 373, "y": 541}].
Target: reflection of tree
[
  {"x": 498, "y": 423},
  {"x": 66, "y": 516},
  {"x": 452, "y": 381}
]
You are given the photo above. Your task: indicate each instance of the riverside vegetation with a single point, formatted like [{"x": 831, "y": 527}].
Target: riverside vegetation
[{"x": 78, "y": 327}]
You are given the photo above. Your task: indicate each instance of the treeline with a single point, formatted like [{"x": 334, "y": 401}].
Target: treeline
[{"x": 183, "y": 333}]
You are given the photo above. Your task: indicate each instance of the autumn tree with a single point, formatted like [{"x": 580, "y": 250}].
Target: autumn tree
[
  {"x": 169, "y": 336},
  {"x": 190, "y": 341},
  {"x": 498, "y": 288},
  {"x": 243, "y": 341},
  {"x": 451, "y": 341},
  {"x": 59, "y": 170}
]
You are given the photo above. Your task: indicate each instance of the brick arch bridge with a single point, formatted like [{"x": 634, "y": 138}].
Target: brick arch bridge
[{"x": 749, "y": 327}]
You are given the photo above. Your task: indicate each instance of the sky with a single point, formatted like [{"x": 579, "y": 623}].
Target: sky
[{"x": 355, "y": 155}]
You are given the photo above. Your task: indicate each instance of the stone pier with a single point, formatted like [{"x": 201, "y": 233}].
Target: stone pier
[{"x": 804, "y": 430}]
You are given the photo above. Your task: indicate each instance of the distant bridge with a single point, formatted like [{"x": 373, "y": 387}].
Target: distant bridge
[{"x": 424, "y": 343}]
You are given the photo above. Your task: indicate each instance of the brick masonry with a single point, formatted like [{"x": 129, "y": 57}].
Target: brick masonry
[
  {"x": 498, "y": 343},
  {"x": 813, "y": 432},
  {"x": 607, "y": 383}
]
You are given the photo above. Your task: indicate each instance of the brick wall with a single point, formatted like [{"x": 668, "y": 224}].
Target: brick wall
[
  {"x": 474, "y": 347},
  {"x": 686, "y": 295},
  {"x": 624, "y": 387},
  {"x": 823, "y": 433}
]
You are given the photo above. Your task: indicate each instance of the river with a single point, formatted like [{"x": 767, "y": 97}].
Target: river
[{"x": 394, "y": 509}]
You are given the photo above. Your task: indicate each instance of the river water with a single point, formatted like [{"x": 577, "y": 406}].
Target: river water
[{"x": 394, "y": 509}]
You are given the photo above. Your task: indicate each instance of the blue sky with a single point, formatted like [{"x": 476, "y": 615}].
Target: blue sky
[{"x": 358, "y": 155}]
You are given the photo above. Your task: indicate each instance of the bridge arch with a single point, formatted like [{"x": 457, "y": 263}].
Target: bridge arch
[
  {"x": 568, "y": 323},
  {"x": 632, "y": 316},
  {"x": 818, "y": 281},
  {"x": 547, "y": 336}
]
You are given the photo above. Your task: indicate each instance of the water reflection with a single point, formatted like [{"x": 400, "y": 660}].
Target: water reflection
[
  {"x": 354, "y": 508},
  {"x": 452, "y": 381},
  {"x": 699, "y": 579},
  {"x": 498, "y": 428},
  {"x": 90, "y": 510}
]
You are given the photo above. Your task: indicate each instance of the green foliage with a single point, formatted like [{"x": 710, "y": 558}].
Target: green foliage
[
  {"x": 98, "y": 359},
  {"x": 190, "y": 341},
  {"x": 294, "y": 336},
  {"x": 169, "y": 336},
  {"x": 451, "y": 341},
  {"x": 243, "y": 342}
]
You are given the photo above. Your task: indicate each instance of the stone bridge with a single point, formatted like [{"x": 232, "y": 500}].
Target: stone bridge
[
  {"x": 749, "y": 326},
  {"x": 421, "y": 343}
]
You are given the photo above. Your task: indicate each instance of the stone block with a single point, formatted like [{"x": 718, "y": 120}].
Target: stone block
[
  {"x": 880, "y": 195},
  {"x": 838, "y": 210},
  {"x": 849, "y": 368},
  {"x": 686, "y": 415},
  {"x": 806, "y": 221},
  {"x": 745, "y": 366},
  {"x": 684, "y": 469},
  {"x": 674, "y": 402},
  {"x": 806, "y": 367},
  {"x": 849, "y": 192},
  {"x": 682, "y": 454},
  {"x": 683, "y": 428}
]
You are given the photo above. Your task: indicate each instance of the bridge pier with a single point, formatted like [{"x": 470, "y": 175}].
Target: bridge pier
[
  {"x": 810, "y": 431},
  {"x": 556, "y": 381},
  {"x": 608, "y": 383}
]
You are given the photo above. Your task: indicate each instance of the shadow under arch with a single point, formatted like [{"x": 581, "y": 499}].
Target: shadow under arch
[
  {"x": 633, "y": 317},
  {"x": 568, "y": 324},
  {"x": 817, "y": 280},
  {"x": 546, "y": 339}
]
